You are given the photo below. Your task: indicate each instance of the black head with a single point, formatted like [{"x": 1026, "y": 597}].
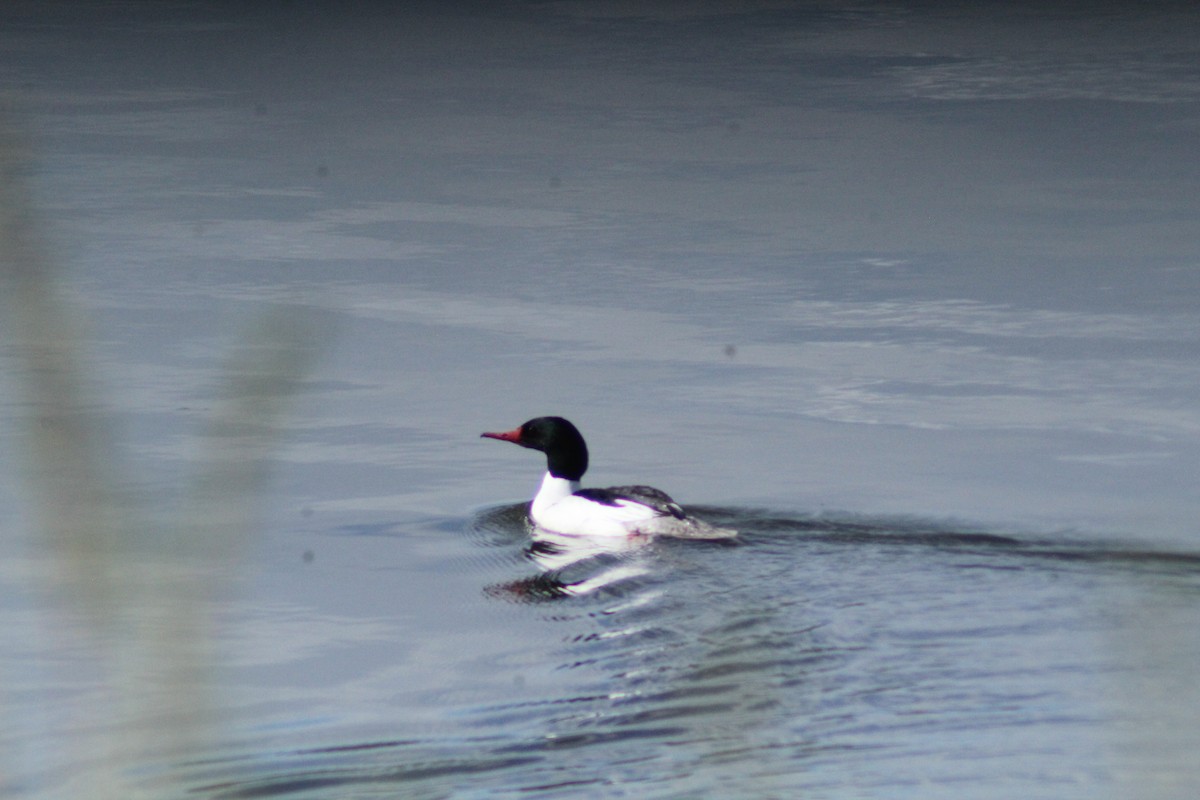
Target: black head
[{"x": 566, "y": 452}]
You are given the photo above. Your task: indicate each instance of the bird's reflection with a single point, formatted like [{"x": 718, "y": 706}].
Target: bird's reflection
[{"x": 570, "y": 565}]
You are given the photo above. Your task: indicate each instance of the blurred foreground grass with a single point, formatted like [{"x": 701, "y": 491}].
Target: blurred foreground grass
[{"x": 141, "y": 591}]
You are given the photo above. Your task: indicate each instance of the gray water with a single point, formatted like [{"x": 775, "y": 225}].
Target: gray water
[{"x": 907, "y": 294}]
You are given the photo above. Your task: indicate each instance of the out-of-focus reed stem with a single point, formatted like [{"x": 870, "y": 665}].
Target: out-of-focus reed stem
[{"x": 145, "y": 592}]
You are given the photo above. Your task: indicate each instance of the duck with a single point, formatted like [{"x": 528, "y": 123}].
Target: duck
[{"x": 561, "y": 506}]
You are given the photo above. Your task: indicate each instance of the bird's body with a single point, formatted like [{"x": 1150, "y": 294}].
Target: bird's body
[{"x": 562, "y": 506}]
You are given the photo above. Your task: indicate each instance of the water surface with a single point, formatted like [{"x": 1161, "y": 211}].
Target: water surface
[{"x": 906, "y": 294}]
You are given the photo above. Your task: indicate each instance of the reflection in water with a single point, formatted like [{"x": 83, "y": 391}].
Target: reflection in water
[
  {"x": 568, "y": 565},
  {"x": 816, "y": 651}
]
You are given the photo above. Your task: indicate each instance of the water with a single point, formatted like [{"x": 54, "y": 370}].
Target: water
[{"x": 906, "y": 294}]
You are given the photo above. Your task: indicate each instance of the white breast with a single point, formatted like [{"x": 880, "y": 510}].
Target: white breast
[{"x": 556, "y": 508}]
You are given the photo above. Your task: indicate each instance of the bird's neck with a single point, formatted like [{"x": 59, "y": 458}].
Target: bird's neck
[{"x": 551, "y": 491}]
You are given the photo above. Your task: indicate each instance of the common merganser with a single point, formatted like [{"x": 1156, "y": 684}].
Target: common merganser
[{"x": 560, "y": 506}]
